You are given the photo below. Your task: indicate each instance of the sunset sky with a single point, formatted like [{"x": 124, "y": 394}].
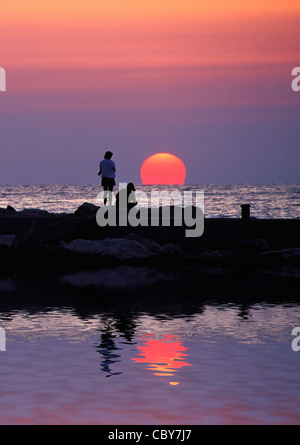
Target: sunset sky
[{"x": 208, "y": 81}]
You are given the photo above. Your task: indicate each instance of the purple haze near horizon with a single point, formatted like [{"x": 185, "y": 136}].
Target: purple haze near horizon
[{"x": 224, "y": 144}]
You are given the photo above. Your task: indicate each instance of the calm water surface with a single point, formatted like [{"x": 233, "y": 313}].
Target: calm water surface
[
  {"x": 220, "y": 200},
  {"x": 218, "y": 364}
]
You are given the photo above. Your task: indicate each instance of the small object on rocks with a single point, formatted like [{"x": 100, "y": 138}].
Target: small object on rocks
[{"x": 245, "y": 209}]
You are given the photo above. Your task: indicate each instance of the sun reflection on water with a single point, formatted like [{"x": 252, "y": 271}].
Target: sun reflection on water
[{"x": 164, "y": 356}]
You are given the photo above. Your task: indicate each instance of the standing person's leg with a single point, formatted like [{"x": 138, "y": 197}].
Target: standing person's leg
[
  {"x": 105, "y": 195},
  {"x": 108, "y": 185},
  {"x": 112, "y": 183},
  {"x": 105, "y": 189},
  {"x": 110, "y": 194}
]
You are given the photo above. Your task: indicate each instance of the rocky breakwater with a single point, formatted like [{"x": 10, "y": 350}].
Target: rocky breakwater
[
  {"x": 113, "y": 264},
  {"x": 86, "y": 256},
  {"x": 82, "y": 255}
]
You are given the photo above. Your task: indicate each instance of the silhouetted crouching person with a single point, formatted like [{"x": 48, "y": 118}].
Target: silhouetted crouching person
[
  {"x": 107, "y": 170},
  {"x": 126, "y": 197}
]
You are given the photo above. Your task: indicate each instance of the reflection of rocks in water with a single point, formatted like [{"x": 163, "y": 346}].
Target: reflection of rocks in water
[
  {"x": 106, "y": 348},
  {"x": 122, "y": 277},
  {"x": 125, "y": 327},
  {"x": 244, "y": 311}
]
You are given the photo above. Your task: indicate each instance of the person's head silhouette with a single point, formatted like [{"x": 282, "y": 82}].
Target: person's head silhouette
[
  {"x": 108, "y": 155},
  {"x": 130, "y": 187}
]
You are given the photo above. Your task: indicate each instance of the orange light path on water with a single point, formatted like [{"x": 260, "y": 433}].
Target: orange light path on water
[{"x": 164, "y": 356}]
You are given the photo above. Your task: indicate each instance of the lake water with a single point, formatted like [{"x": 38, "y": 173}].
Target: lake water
[{"x": 87, "y": 362}]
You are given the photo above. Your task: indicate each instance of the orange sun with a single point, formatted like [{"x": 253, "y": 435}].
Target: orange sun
[{"x": 163, "y": 168}]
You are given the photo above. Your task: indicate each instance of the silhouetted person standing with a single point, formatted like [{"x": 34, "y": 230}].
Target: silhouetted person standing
[{"x": 108, "y": 172}]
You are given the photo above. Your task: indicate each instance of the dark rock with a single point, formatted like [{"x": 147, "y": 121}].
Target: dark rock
[
  {"x": 122, "y": 248},
  {"x": 7, "y": 285},
  {"x": 8, "y": 250},
  {"x": 284, "y": 262},
  {"x": 33, "y": 213},
  {"x": 251, "y": 246},
  {"x": 10, "y": 209},
  {"x": 171, "y": 250},
  {"x": 8, "y": 243},
  {"x": 4, "y": 213},
  {"x": 86, "y": 209},
  {"x": 119, "y": 248},
  {"x": 149, "y": 244},
  {"x": 280, "y": 257},
  {"x": 210, "y": 257}
]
